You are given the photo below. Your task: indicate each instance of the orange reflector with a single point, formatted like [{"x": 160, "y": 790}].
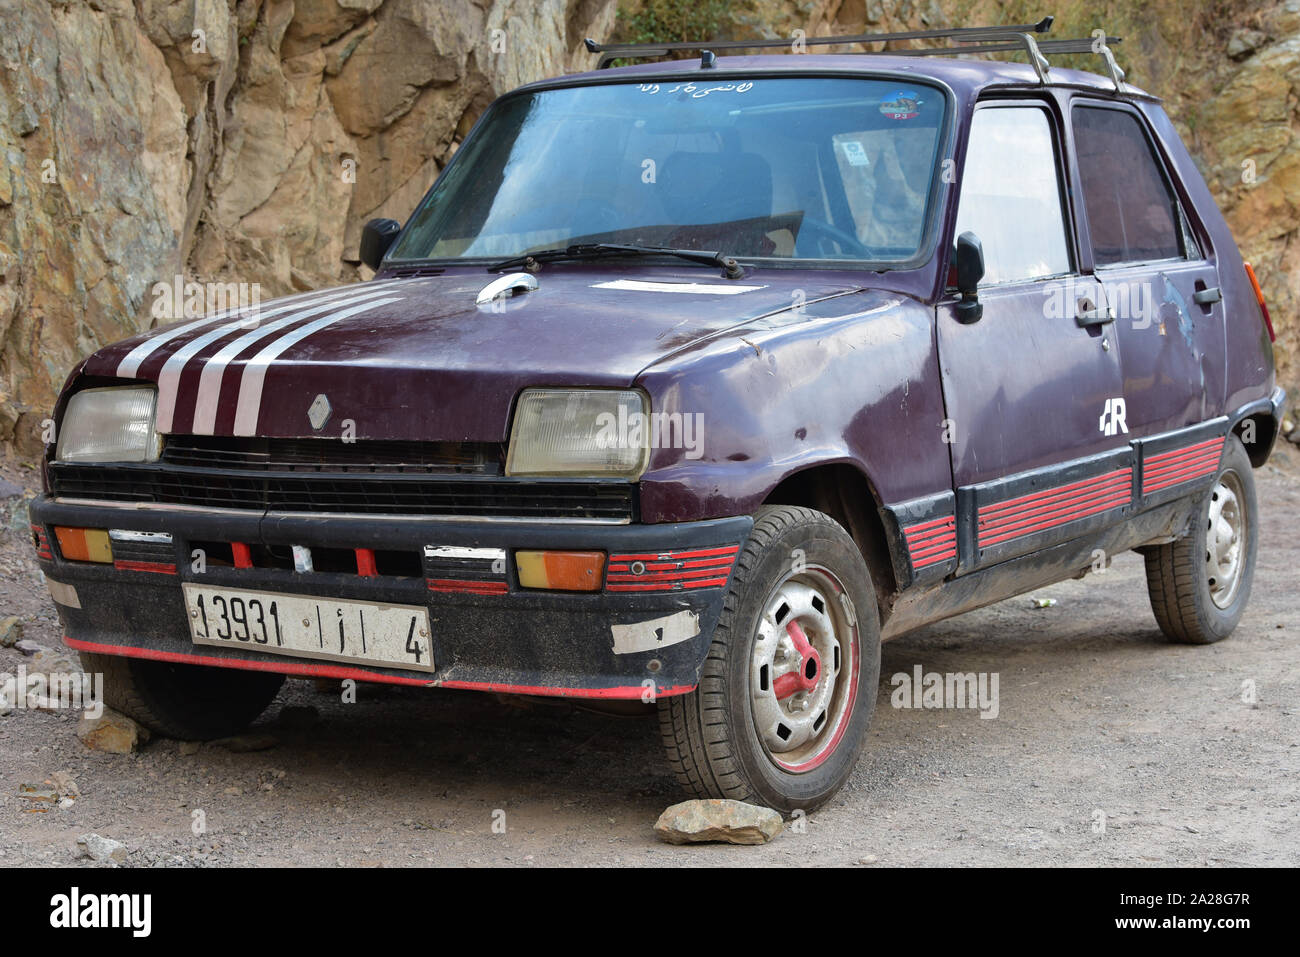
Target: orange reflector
[
  {"x": 84, "y": 544},
  {"x": 561, "y": 571},
  {"x": 1263, "y": 306}
]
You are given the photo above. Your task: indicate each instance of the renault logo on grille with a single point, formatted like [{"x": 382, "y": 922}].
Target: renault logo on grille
[{"x": 319, "y": 413}]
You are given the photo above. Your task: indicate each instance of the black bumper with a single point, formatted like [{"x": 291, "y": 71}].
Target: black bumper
[{"x": 513, "y": 640}]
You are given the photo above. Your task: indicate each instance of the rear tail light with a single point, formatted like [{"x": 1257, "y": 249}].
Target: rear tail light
[{"x": 1263, "y": 306}]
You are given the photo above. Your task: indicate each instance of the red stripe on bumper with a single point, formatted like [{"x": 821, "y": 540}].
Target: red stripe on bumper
[
  {"x": 162, "y": 568},
  {"x": 304, "y": 670},
  {"x": 677, "y": 556},
  {"x": 467, "y": 587}
]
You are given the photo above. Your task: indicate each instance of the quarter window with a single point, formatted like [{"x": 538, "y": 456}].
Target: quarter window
[
  {"x": 1133, "y": 215},
  {"x": 1011, "y": 195}
]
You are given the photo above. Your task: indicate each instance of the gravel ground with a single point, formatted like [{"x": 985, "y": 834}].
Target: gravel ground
[{"x": 1110, "y": 748}]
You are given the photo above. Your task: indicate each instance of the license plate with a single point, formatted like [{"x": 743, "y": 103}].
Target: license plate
[{"x": 303, "y": 626}]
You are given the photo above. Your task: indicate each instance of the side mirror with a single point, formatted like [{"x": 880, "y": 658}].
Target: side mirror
[
  {"x": 970, "y": 270},
  {"x": 376, "y": 237}
]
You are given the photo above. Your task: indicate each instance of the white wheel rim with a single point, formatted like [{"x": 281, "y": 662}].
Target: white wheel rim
[
  {"x": 1225, "y": 539},
  {"x": 804, "y": 669}
]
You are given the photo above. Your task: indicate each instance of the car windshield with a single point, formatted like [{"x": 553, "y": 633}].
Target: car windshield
[{"x": 806, "y": 168}]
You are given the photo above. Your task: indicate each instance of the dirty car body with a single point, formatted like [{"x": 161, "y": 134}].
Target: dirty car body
[{"x": 362, "y": 448}]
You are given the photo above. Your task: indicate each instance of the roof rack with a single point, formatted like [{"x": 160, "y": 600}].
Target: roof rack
[{"x": 995, "y": 39}]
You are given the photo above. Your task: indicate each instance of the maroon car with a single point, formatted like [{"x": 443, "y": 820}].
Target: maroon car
[{"x": 685, "y": 385}]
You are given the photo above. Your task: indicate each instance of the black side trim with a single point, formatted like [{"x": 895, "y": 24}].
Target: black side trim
[
  {"x": 917, "y": 527},
  {"x": 1159, "y": 479},
  {"x": 1035, "y": 509}
]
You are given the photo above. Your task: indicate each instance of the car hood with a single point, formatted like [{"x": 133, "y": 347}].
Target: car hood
[{"x": 419, "y": 359}]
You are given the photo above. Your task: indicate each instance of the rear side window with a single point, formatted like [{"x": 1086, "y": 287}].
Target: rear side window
[
  {"x": 1133, "y": 214},
  {"x": 1011, "y": 195}
]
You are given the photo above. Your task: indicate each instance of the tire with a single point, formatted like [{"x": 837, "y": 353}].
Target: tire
[
  {"x": 1200, "y": 584},
  {"x": 794, "y": 557},
  {"x": 189, "y": 702}
]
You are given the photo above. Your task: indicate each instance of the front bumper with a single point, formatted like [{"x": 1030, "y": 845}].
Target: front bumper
[{"x": 505, "y": 639}]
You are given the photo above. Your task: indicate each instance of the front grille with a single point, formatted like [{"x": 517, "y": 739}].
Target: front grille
[
  {"x": 376, "y": 493},
  {"x": 334, "y": 455}
]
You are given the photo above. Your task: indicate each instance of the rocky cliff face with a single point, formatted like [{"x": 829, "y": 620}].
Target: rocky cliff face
[
  {"x": 225, "y": 140},
  {"x": 248, "y": 140}
]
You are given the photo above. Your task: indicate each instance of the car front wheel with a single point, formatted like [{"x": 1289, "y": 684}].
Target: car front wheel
[
  {"x": 189, "y": 702},
  {"x": 789, "y": 684}
]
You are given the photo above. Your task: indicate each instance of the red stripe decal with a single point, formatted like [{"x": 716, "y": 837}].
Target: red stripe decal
[
  {"x": 941, "y": 557},
  {"x": 1080, "y": 511},
  {"x": 1174, "y": 476},
  {"x": 670, "y": 576},
  {"x": 366, "y": 563},
  {"x": 930, "y": 548},
  {"x": 467, "y": 587},
  {"x": 1175, "y": 480},
  {"x": 303, "y": 669},
  {"x": 1181, "y": 465},
  {"x": 666, "y": 586},
  {"x": 128, "y": 566},
  {"x": 911, "y": 530},
  {"x": 675, "y": 556},
  {"x": 932, "y": 541},
  {"x": 1208, "y": 443},
  {"x": 1054, "y": 491},
  {"x": 1206, "y": 454},
  {"x": 723, "y": 562},
  {"x": 1173, "y": 465},
  {"x": 1047, "y": 508}
]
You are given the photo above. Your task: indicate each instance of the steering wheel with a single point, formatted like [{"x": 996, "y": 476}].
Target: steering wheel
[{"x": 849, "y": 244}]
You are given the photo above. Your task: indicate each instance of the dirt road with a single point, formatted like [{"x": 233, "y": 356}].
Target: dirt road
[{"x": 1110, "y": 747}]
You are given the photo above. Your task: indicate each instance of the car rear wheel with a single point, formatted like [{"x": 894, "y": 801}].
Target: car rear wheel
[
  {"x": 1199, "y": 584},
  {"x": 189, "y": 702},
  {"x": 789, "y": 684}
]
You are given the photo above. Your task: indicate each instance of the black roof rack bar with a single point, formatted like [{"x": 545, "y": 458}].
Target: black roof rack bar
[
  {"x": 1004, "y": 39},
  {"x": 1009, "y": 44},
  {"x": 611, "y": 51},
  {"x": 1082, "y": 45}
]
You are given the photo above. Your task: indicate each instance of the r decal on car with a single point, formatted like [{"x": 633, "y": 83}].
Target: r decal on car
[{"x": 1112, "y": 418}]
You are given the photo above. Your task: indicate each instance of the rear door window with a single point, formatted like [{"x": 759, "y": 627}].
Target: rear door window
[
  {"x": 1011, "y": 195},
  {"x": 1133, "y": 214}
]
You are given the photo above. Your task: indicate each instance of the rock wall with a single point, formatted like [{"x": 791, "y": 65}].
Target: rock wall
[
  {"x": 225, "y": 140},
  {"x": 248, "y": 140}
]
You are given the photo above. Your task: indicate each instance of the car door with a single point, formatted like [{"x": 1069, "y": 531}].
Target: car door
[
  {"x": 1027, "y": 387},
  {"x": 1161, "y": 285}
]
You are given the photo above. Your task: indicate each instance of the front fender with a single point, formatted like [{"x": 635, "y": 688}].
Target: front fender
[{"x": 851, "y": 380}]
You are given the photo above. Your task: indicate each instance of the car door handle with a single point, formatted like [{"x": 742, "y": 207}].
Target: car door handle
[
  {"x": 1088, "y": 314},
  {"x": 1206, "y": 297}
]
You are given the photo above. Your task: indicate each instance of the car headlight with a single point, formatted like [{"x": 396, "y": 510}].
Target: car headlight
[
  {"x": 114, "y": 424},
  {"x": 596, "y": 432}
]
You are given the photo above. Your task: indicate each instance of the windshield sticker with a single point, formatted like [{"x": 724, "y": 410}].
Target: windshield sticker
[
  {"x": 903, "y": 105},
  {"x": 696, "y": 92},
  {"x": 854, "y": 153}
]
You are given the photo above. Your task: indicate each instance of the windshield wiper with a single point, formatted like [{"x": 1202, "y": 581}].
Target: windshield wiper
[{"x": 580, "y": 251}]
